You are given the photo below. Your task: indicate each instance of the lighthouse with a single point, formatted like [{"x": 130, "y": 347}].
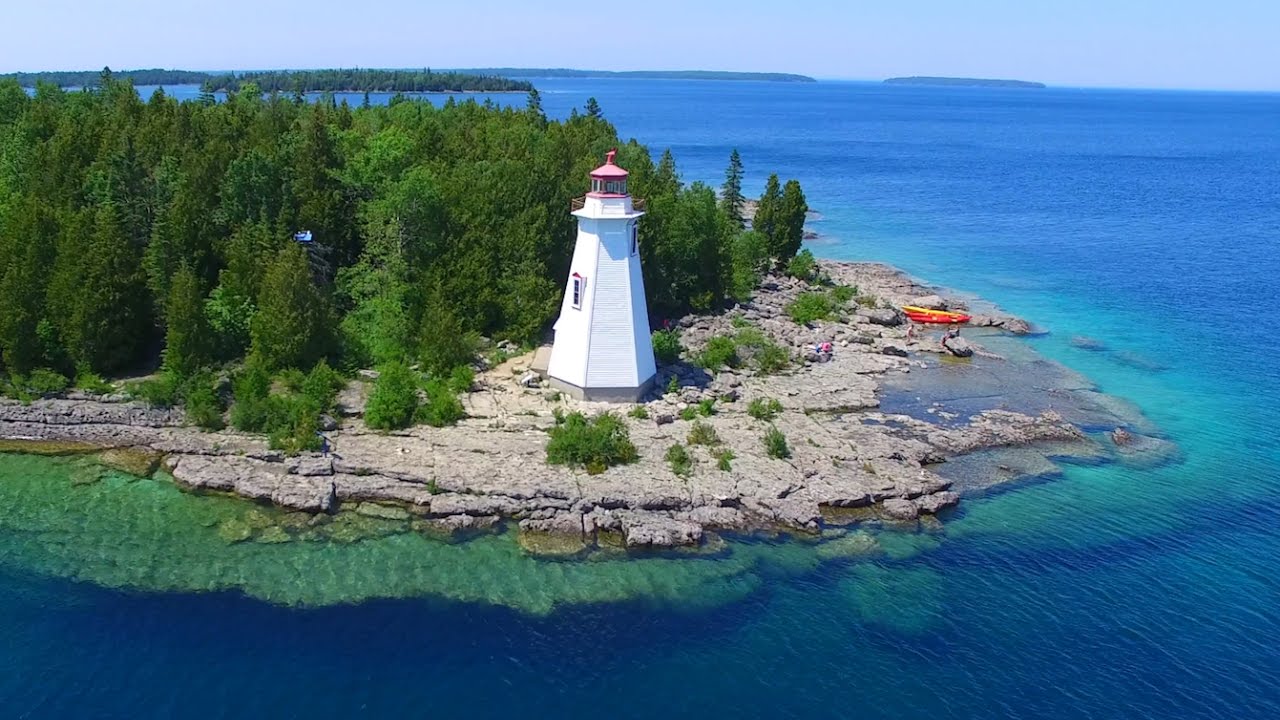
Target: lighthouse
[{"x": 602, "y": 349}]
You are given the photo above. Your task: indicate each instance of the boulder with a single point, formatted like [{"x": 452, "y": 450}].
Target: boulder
[
  {"x": 931, "y": 302},
  {"x": 881, "y": 316},
  {"x": 654, "y": 530},
  {"x": 1121, "y": 437},
  {"x": 899, "y": 509},
  {"x": 937, "y": 502},
  {"x": 895, "y": 351},
  {"x": 957, "y": 346}
]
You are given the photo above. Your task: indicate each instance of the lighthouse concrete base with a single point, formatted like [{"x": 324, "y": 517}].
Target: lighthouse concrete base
[{"x": 599, "y": 394}]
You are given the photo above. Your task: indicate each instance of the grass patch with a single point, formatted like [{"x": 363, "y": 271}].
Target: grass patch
[
  {"x": 703, "y": 434},
  {"x": 724, "y": 458},
  {"x": 639, "y": 412},
  {"x": 775, "y": 444},
  {"x": 680, "y": 460},
  {"x": 595, "y": 445},
  {"x": 765, "y": 409},
  {"x": 689, "y": 413}
]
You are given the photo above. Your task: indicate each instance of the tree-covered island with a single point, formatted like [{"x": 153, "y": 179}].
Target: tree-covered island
[
  {"x": 336, "y": 80},
  {"x": 163, "y": 237}
]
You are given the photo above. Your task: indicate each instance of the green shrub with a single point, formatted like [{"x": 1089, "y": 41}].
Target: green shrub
[
  {"x": 442, "y": 406},
  {"x": 681, "y": 462},
  {"x": 162, "y": 390},
  {"x": 842, "y": 294},
  {"x": 461, "y": 379},
  {"x": 870, "y": 302},
  {"x": 639, "y": 412},
  {"x": 775, "y": 444},
  {"x": 689, "y": 413},
  {"x": 719, "y": 353},
  {"x": 803, "y": 266},
  {"x": 558, "y": 415},
  {"x": 91, "y": 382},
  {"x": 810, "y": 306},
  {"x": 764, "y": 408},
  {"x": 703, "y": 434},
  {"x": 673, "y": 385},
  {"x": 724, "y": 456},
  {"x": 293, "y": 424},
  {"x": 42, "y": 381},
  {"x": 201, "y": 402},
  {"x": 771, "y": 359},
  {"x": 666, "y": 346},
  {"x": 251, "y": 388},
  {"x": 394, "y": 400},
  {"x": 595, "y": 444},
  {"x": 321, "y": 386},
  {"x": 292, "y": 379},
  {"x": 707, "y": 407}
]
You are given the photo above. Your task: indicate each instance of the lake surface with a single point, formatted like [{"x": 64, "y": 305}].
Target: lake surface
[{"x": 1142, "y": 220}]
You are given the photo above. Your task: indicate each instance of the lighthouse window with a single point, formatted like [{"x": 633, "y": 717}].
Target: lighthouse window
[
  {"x": 635, "y": 242},
  {"x": 577, "y": 292},
  {"x": 597, "y": 185}
]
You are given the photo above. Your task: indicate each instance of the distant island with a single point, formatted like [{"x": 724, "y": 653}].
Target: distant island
[
  {"x": 356, "y": 80},
  {"x": 638, "y": 74},
  {"x": 963, "y": 82},
  {"x": 91, "y": 78},
  {"x": 338, "y": 80}
]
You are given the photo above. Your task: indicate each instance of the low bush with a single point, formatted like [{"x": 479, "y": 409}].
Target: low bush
[
  {"x": 724, "y": 457},
  {"x": 809, "y": 307},
  {"x": 720, "y": 352},
  {"x": 321, "y": 386},
  {"x": 673, "y": 385},
  {"x": 764, "y": 408},
  {"x": 765, "y": 355},
  {"x": 775, "y": 444},
  {"x": 161, "y": 390},
  {"x": 393, "y": 403},
  {"x": 639, "y": 412},
  {"x": 666, "y": 346},
  {"x": 596, "y": 444},
  {"x": 803, "y": 266},
  {"x": 201, "y": 403},
  {"x": 689, "y": 413},
  {"x": 462, "y": 379},
  {"x": 706, "y": 407},
  {"x": 681, "y": 462},
  {"x": 42, "y": 381},
  {"x": 703, "y": 434},
  {"x": 842, "y": 294},
  {"x": 442, "y": 406},
  {"x": 91, "y": 382}
]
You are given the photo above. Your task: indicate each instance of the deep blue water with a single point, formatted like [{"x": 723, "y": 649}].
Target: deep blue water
[{"x": 1146, "y": 220}]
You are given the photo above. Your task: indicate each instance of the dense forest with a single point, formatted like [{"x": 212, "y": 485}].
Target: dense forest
[
  {"x": 137, "y": 235},
  {"x": 353, "y": 80},
  {"x": 89, "y": 78},
  {"x": 356, "y": 80}
]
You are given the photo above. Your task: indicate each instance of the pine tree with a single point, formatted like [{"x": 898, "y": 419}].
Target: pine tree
[
  {"x": 187, "y": 333},
  {"x": 791, "y": 215},
  {"x": 731, "y": 200},
  {"x": 290, "y": 326},
  {"x": 593, "y": 108},
  {"x": 108, "y": 319},
  {"x": 767, "y": 219}
]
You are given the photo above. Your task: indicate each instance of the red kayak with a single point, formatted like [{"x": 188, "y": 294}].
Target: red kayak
[{"x": 925, "y": 315}]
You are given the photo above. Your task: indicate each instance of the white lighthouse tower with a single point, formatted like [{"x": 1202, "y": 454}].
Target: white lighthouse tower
[{"x": 602, "y": 348}]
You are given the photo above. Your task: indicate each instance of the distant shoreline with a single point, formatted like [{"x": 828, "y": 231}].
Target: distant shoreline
[
  {"x": 963, "y": 82},
  {"x": 640, "y": 74}
]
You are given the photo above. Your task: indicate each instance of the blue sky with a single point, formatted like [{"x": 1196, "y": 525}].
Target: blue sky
[{"x": 1225, "y": 44}]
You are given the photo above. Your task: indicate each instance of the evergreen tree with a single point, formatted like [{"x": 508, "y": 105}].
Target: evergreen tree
[
  {"x": 731, "y": 199},
  {"x": 291, "y": 324},
  {"x": 593, "y": 109},
  {"x": 27, "y": 245},
  {"x": 767, "y": 218},
  {"x": 187, "y": 330},
  {"x": 108, "y": 319},
  {"x": 790, "y": 225}
]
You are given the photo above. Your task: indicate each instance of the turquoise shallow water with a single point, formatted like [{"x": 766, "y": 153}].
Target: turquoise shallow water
[{"x": 1139, "y": 219}]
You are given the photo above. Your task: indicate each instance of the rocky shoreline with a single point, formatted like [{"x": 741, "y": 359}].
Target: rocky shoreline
[{"x": 850, "y": 460}]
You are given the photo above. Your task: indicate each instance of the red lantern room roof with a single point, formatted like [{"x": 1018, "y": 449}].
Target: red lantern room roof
[{"x": 609, "y": 171}]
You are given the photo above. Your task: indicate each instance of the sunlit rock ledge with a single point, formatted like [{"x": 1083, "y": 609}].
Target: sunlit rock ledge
[{"x": 867, "y": 428}]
